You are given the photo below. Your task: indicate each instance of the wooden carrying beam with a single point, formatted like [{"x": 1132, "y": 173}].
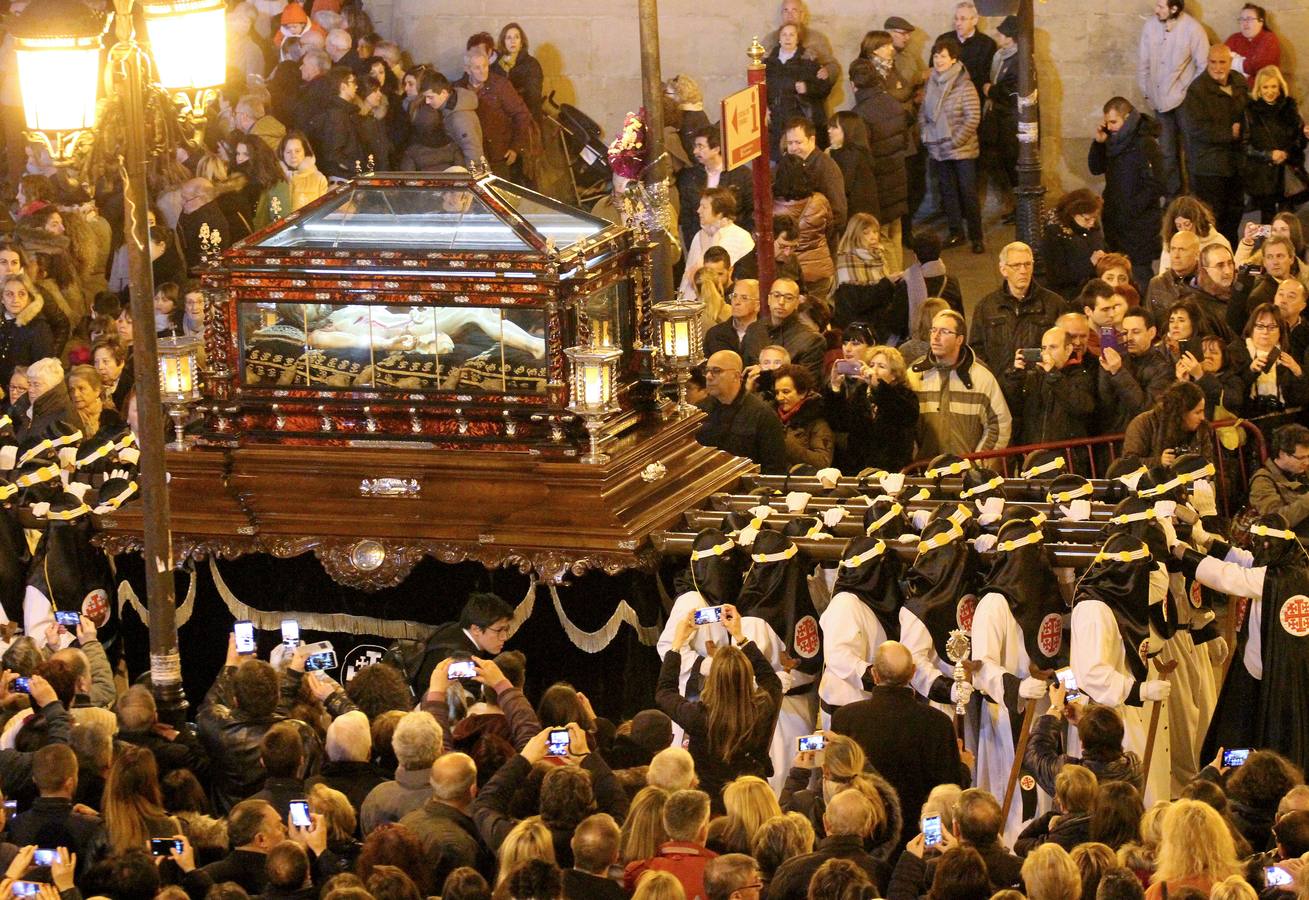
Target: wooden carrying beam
[
  {"x": 852, "y": 526},
  {"x": 678, "y": 543},
  {"x": 1100, "y": 512}
]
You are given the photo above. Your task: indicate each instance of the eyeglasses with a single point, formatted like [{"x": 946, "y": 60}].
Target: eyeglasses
[
  {"x": 943, "y": 332},
  {"x": 1267, "y": 326},
  {"x": 1245, "y": 19},
  {"x": 1020, "y": 265},
  {"x": 781, "y": 296},
  {"x": 501, "y": 629}
]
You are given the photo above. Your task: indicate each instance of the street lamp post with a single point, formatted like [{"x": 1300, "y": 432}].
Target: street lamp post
[{"x": 58, "y": 47}]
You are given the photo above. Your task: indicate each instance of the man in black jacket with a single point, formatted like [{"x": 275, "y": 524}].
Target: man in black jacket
[
  {"x": 282, "y": 756},
  {"x": 847, "y": 822},
  {"x": 916, "y": 755},
  {"x": 1016, "y": 314},
  {"x": 1055, "y": 396},
  {"x": 595, "y": 849},
  {"x": 1126, "y": 152},
  {"x": 1101, "y": 731},
  {"x": 1211, "y": 117},
  {"x": 744, "y": 334},
  {"x": 51, "y": 821},
  {"x": 16, "y": 765},
  {"x": 1131, "y": 379},
  {"x": 692, "y": 181},
  {"x": 789, "y": 329},
  {"x": 138, "y": 723},
  {"x": 737, "y": 420},
  {"x": 333, "y": 130},
  {"x": 481, "y": 631},
  {"x": 253, "y": 829}
]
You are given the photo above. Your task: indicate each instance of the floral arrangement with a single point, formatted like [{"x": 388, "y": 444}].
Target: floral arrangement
[{"x": 627, "y": 151}]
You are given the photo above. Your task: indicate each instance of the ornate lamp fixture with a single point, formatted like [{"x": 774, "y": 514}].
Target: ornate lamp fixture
[
  {"x": 593, "y": 391},
  {"x": 681, "y": 342},
  {"x": 57, "y": 45},
  {"x": 179, "y": 380}
]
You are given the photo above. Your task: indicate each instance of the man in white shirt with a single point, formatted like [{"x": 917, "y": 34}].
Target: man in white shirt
[{"x": 717, "y": 229}]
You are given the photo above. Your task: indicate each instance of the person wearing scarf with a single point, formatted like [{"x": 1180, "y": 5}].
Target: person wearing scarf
[
  {"x": 1125, "y": 144},
  {"x": 1265, "y": 696},
  {"x": 1018, "y": 629},
  {"x": 778, "y": 614},
  {"x": 940, "y": 592},
  {"x": 808, "y": 438},
  {"x": 950, "y": 115},
  {"x": 999, "y": 129},
  {"x": 1112, "y": 638},
  {"x": 863, "y": 613}
]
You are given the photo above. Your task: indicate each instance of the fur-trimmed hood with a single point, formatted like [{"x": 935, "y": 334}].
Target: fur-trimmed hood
[
  {"x": 884, "y": 841},
  {"x": 32, "y": 310}
]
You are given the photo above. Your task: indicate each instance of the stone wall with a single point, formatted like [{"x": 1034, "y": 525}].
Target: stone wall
[{"x": 1085, "y": 49}]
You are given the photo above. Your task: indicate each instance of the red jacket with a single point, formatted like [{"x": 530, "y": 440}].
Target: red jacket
[
  {"x": 506, "y": 121},
  {"x": 685, "y": 860},
  {"x": 1264, "y": 50}
]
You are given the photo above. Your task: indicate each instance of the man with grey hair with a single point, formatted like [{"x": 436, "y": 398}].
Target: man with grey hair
[
  {"x": 252, "y": 118},
  {"x": 1212, "y": 116},
  {"x": 314, "y": 91},
  {"x": 1015, "y": 315},
  {"x": 976, "y": 48},
  {"x": 138, "y": 723},
  {"x": 417, "y": 743},
  {"x": 200, "y": 208},
  {"x": 847, "y": 821},
  {"x": 47, "y": 410},
  {"x": 672, "y": 769},
  {"x": 340, "y": 49},
  {"x": 506, "y": 120},
  {"x": 686, "y": 822},
  {"x": 732, "y": 876},
  {"x": 449, "y": 836},
  {"x": 349, "y": 768},
  {"x": 921, "y": 751}
]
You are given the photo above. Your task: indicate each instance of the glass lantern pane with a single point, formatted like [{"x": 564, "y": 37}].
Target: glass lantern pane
[
  {"x": 188, "y": 39},
  {"x": 58, "y": 81},
  {"x": 553, "y": 220},
  {"x": 272, "y": 341},
  {"x": 404, "y": 218}
]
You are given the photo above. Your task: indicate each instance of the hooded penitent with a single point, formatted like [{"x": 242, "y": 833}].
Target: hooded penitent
[
  {"x": 1120, "y": 578},
  {"x": 872, "y": 573},
  {"x": 1135, "y": 516},
  {"x": 940, "y": 588},
  {"x": 714, "y": 571},
  {"x": 885, "y": 519},
  {"x": 981, "y": 483},
  {"x": 776, "y": 590},
  {"x": 1024, "y": 575}
]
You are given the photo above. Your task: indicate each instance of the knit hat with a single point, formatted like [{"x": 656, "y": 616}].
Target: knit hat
[
  {"x": 652, "y": 729},
  {"x": 294, "y": 14}
]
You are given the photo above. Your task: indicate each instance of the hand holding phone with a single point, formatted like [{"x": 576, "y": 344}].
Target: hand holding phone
[
  {"x": 1069, "y": 682},
  {"x": 290, "y": 633},
  {"x": 300, "y": 817},
  {"x": 708, "y": 615},
  {"x": 1235, "y": 757},
  {"x": 932, "y": 831},
  {"x": 851, "y": 368},
  {"x": 45, "y": 856},
  {"x": 68, "y": 618},
  {"x": 811, "y": 742},
  {"x": 317, "y": 662},
  {"x": 462, "y": 670},
  {"x": 166, "y": 847},
  {"x": 21, "y": 685},
  {"x": 1276, "y": 876},
  {"x": 558, "y": 743},
  {"x": 245, "y": 637}
]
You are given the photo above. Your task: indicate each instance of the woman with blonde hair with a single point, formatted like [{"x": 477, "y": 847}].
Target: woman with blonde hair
[
  {"x": 1049, "y": 873},
  {"x": 710, "y": 292},
  {"x": 731, "y": 726},
  {"x": 1196, "y": 851},
  {"x": 859, "y": 259},
  {"x": 844, "y": 767},
  {"x": 643, "y": 829},
  {"x": 133, "y": 805},
  {"x": 335, "y": 809},
  {"x": 750, "y": 803},
  {"x": 1233, "y": 887},
  {"x": 529, "y": 839},
  {"x": 1273, "y": 134},
  {"x": 654, "y": 885},
  {"x": 1093, "y": 859}
]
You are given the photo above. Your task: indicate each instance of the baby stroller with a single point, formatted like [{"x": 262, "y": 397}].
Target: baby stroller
[{"x": 584, "y": 149}]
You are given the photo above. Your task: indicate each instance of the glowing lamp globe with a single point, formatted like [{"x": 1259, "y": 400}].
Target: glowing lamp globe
[
  {"x": 188, "y": 39},
  {"x": 57, "y": 48}
]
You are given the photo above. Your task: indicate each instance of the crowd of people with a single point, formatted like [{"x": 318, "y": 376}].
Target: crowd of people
[{"x": 799, "y": 742}]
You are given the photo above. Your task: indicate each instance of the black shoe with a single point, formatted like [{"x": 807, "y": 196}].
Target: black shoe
[
  {"x": 979, "y": 247},
  {"x": 954, "y": 240}
]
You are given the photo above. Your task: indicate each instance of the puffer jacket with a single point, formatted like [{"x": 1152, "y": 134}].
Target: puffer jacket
[
  {"x": 961, "y": 110},
  {"x": 961, "y": 408},
  {"x": 25, "y": 338},
  {"x": 814, "y": 216}
]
